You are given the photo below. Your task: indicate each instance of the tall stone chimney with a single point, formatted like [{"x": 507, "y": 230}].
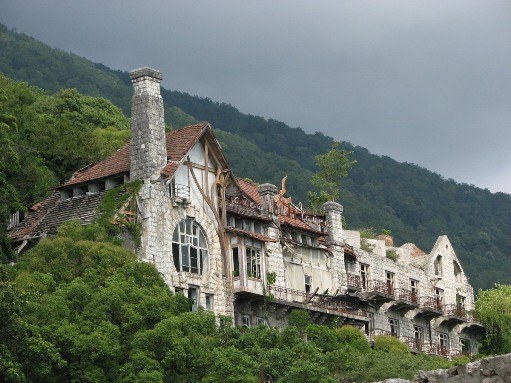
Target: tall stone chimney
[
  {"x": 148, "y": 147},
  {"x": 333, "y": 212}
]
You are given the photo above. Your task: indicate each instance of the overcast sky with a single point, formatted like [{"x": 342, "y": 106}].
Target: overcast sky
[{"x": 427, "y": 82}]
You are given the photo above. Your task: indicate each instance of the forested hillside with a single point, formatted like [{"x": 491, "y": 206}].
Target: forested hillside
[{"x": 414, "y": 203}]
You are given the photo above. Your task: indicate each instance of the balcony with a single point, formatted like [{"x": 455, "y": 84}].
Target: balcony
[
  {"x": 430, "y": 307},
  {"x": 405, "y": 300},
  {"x": 415, "y": 345},
  {"x": 455, "y": 314},
  {"x": 379, "y": 291},
  {"x": 317, "y": 302},
  {"x": 353, "y": 282},
  {"x": 179, "y": 192}
]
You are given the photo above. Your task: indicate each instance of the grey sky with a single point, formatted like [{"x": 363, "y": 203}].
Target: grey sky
[{"x": 428, "y": 82}]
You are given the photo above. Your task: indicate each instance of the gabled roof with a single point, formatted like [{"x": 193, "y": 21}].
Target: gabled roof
[
  {"x": 250, "y": 190},
  {"x": 178, "y": 142}
]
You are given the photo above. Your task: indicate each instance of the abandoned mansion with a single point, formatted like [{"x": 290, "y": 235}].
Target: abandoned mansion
[{"x": 246, "y": 251}]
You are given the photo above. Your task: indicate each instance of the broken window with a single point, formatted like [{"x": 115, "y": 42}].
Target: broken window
[
  {"x": 389, "y": 276},
  {"x": 443, "y": 343},
  {"x": 418, "y": 337},
  {"x": 438, "y": 266},
  {"x": 414, "y": 288},
  {"x": 394, "y": 327},
  {"x": 245, "y": 320},
  {"x": 235, "y": 262},
  {"x": 260, "y": 321},
  {"x": 308, "y": 283},
  {"x": 209, "y": 301},
  {"x": 465, "y": 346},
  {"x": 457, "y": 271},
  {"x": 189, "y": 247},
  {"x": 364, "y": 275},
  {"x": 193, "y": 293}
]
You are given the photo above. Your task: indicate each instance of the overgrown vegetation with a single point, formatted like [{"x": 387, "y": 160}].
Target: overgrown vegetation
[
  {"x": 80, "y": 308},
  {"x": 392, "y": 255}
]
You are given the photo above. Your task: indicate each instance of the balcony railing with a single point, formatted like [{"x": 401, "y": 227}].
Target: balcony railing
[
  {"x": 180, "y": 191},
  {"x": 456, "y": 311},
  {"x": 380, "y": 287},
  {"x": 432, "y": 303},
  {"x": 407, "y": 296},
  {"x": 319, "y": 301},
  {"x": 354, "y": 281},
  {"x": 414, "y": 343}
]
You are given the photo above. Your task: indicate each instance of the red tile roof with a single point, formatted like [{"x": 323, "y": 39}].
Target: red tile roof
[
  {"x": 250, "y": 190},
  {"x": 297, "y": 224},
  {"x": 178, "y": 142}
]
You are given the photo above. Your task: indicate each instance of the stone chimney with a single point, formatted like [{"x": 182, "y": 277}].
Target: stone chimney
[
  {"x": 333, "y": 211},
  {"x": 267, "y": 192},
  {"x": 148, "y": 147}
]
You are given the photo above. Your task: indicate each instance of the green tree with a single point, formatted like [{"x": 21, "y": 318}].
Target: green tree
[
  {"x": 333, "y": 166},
  {"x": 493, "y": 309}
]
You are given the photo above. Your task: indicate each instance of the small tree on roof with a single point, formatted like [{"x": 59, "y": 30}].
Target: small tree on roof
[{"x": 333, "y": 166}]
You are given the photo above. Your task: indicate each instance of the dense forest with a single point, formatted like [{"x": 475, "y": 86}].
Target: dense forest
[{"x": 415, "y": 204}]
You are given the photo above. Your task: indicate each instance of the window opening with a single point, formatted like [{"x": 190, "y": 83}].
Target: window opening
[
  {"x": 394, "y": 327},
  {"x": 457, "y": 271},
  {"x": 209, "y": 302},
  {"x": 260, "y": 321},
  {"x": 245, "y": 320},
  {"x": 443, "y": 342},
  {"x": 189, "y": 247},
  {"x": 364, "y": 275},
  {"x": 390, "y": 282},
  {"x": 418, "y": 337},
  {"x": 235, "y": 262},
  {"x": 414, "y": 289},
  {"x": 308, "y": 284},
  {"x": 438, "y": 266},
  {"x": 465, "y": 346},
  {"x": 253, "y": 262},
  {"x": 439, "y": 298},
  {"x": 194, "y": 294}
]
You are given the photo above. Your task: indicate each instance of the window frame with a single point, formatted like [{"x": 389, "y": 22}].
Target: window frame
[{"x": 190, "y": 249}]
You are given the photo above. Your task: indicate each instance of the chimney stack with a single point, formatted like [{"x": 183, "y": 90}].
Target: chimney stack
[{"x": 148, "y": 146}]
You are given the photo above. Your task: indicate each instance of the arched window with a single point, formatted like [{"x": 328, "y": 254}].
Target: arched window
[{"x": 189, "y": 247}]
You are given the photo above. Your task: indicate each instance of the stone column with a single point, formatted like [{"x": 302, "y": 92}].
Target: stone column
[
  {"x": 333, "y": 212},
  {"x": 148, "y": 147}
]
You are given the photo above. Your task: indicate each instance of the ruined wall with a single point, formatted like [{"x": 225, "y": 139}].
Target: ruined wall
[{"x": 490, "y": 370}]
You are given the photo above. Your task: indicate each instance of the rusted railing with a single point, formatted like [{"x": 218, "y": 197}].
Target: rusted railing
[
  {"x": 380, "y": 287},
  {"x": 353, "y": 280},
  {"x": 457, "y": 311},
  {"x": 414, "y": 343},
  {"x": 406, "y": 296},
  {"x": 436, "y": 349},
  {"x": 320, "y": 301},
  {"x": 432, "y": 303}
]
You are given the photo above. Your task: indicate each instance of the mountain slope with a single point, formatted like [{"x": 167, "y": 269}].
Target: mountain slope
[{"x": 414, "y": 203}]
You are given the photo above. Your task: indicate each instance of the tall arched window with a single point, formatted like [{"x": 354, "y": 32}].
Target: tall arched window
[{"x": 189, "y": 247}]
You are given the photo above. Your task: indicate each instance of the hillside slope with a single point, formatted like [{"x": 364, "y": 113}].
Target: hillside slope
[{"x": 414, "y": 203}]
